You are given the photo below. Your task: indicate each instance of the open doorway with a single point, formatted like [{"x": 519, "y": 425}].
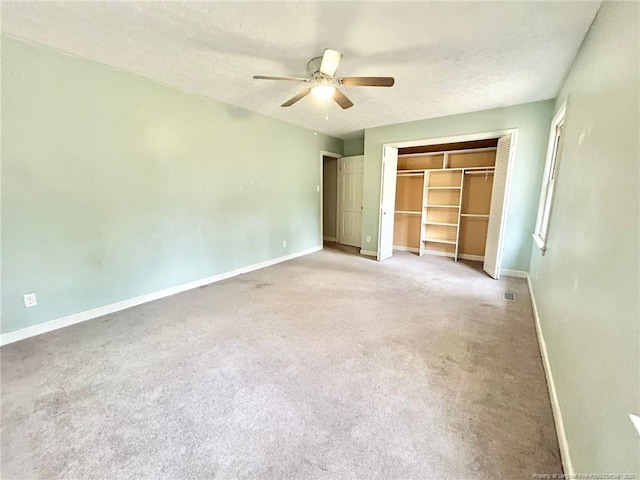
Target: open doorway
[
  {"x": 329, "y": 199},
  {"x": 447, "y": 197}
]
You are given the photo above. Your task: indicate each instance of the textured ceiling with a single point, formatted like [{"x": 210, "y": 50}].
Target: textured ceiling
[{"x": 447, "y": 57}]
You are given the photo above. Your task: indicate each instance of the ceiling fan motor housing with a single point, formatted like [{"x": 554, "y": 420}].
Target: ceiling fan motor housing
[{"x": 313, "y": 65}]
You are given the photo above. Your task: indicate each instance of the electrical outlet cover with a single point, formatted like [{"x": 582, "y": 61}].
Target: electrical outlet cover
[{"x": 30, "y": 300}]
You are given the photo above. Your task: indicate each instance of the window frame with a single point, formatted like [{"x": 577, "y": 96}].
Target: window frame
[{"x": 549, "y": 179}]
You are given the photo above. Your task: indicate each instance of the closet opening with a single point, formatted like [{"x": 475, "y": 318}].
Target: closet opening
[{"x": 448, "y": 198}]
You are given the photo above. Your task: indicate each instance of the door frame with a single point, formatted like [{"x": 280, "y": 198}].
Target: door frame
[
  {"x": 454, "y": 139},
  {"x": 338, "y": 156}
]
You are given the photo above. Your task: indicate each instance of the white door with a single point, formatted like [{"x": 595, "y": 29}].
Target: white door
[
  {"x": 387, "y": 202},
  {"x": 498, "y": 209},
  {"x": 350, "y": 182}
]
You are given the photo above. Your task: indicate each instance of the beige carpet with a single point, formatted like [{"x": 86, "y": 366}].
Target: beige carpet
[{"x": 327, "y": 366}]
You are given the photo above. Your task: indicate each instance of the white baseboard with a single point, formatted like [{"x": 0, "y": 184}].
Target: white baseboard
[
  {"x": 462, "y": 256},
  {"x": 553, "y": 395},
  {"x": 330, "y": 239},
  {"x": 402, "y": 248},
  {"x": 513, "y": 273},
  {"x": 369, "y": 253},
  {"x": 56, "y": 324},
  {"x": 467, "y": 256},
  {"x": 438, "y": 253}
]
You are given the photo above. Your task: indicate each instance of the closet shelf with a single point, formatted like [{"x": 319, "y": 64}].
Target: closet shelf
[
  {"x": 448, "y": 169},
  {"x": 488, "y": 167},
  {"x": 442, "y": 188},
  {"x": 483, "y": 171},
  {"x": 407, "y": 173},
  {"x": 441, "y": 224},
  {"x": 439, "y": 240},
  {"x": 441, "y": 152},
  {"x": 476, "y": 215},
  {"x": 408, "y": 212},
  {"x": 443, "y": 206}
]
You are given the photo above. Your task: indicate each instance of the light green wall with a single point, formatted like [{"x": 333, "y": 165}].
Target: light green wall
[
  {"x": 329, "y": 197},
  {"x": 114, "y": 186},
  {"x": 531, "y": 120},
  {"x": 586, "y": 285},
  {"x": 353, "y": 147}
]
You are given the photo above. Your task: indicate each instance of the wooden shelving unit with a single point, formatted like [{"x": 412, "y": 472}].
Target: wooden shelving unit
[
  {"x": 441, "y": 210},
  {"x": 445, "y": 207}
]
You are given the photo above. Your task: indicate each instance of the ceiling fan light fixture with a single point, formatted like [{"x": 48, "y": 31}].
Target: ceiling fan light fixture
[
  {"x": 323, "y": 84},
  {"x": 323, "y": 92}
]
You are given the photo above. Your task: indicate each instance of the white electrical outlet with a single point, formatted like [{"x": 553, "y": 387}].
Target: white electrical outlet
[
  {"x": 368, "y": 238},
  {"x": 317, "y": 188},
  {"x": 284, "y": 243},
  {"x": 30, "y": 300}
]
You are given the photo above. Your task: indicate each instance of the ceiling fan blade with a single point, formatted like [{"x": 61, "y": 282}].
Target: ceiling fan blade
[
  {"x": 299, "y": 96},
  {"x": 342, "y": 100},
  {"x": 366, "y": 81},
  {"x": 330, "y": 62},
  {"x": 290, "y": 79}
]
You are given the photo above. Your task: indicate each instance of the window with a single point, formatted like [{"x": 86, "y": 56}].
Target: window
[{"x": 549, "y": 180}]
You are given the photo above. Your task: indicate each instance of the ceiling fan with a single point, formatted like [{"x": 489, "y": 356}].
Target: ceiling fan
[{"x": 323, "y": 83}]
